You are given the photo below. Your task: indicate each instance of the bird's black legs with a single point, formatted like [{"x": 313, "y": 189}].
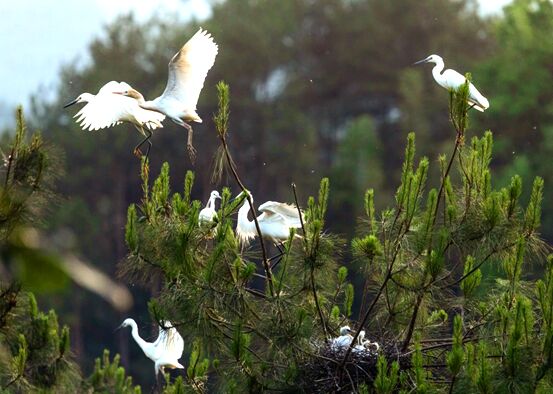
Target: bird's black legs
[
  {"x": 137, "y": 152},
  {"x": 277, "y": 257},
  {"x": 189, "y": 146}
]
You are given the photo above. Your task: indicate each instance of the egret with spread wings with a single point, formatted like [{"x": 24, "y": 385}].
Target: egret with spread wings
[
  {"x": 187, "y": 72},
  {"x": 106, "y": 109},
  {"x": 452, "y": 80},
  {"x": 275, "y": 221},
  {"x": 167, "y": 348}
]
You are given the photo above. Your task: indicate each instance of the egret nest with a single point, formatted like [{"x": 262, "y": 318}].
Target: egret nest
[{"x": 321, "y": 372}]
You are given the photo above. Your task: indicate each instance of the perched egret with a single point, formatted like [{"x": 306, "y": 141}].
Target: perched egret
[
  {"x": 208, "y": 214},
  {"x": 361, "y": 342},
  {"x": 167, "y": 348},
  {"x": 187, "y": 72},
  {"x": 106, "y": 109},
  {"x": 344, "y": 340},
  {"x": 451, "y": 80},
  {"x": 275, "y": 221}
]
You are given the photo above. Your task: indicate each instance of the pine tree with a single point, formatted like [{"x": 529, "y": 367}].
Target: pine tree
[{"x": 261, "y": 322}]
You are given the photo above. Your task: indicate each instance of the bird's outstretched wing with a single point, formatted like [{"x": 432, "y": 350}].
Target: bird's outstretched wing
[
  {"x": 188, "y": 69},
  {"x": 282, "y": 210},
  {"x": 169, "y": 341},
  {"x": 108, "y": 109}
]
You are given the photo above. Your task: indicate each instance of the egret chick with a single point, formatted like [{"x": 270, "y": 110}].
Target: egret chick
[
  {"x": 106, "y": 109},
  {"x": 165, "y": 351},
  {"x": 275, "y": 221},
  {"x": 344, "y": 340},
  {"x": 187, "y": 72},
  {"x": 209, "y": 214},
  {"x": 452, "y": 80}
]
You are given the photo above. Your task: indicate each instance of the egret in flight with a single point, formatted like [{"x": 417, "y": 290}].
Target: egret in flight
[
  {"x": 275, "y": 221},
  {"x": 187, "y": 72},
  {"x": 452, "y": 80},
  {"x": 208, "y": 214},
  {"x": 165, "y": 351},
  {"x": 106, "y": 109}
]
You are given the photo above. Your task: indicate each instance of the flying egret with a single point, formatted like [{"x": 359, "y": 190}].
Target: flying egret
[
  {"x": 106, "y": 109},
  {"x": 187, "y": 72},
  {"x": 452, "y": 80},
  {"x": 167, "y": 348},
  {"x": 344, "y": 340},
  {"x": 275, "y": 221},
  {"x": 208, "y": 214}
]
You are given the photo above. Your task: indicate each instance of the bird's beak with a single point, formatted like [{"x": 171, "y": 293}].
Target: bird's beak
[
  {"x": 118, "y": 328},
  {"x": 425, "y": 60},
  {"x": 71, "y": 103}
]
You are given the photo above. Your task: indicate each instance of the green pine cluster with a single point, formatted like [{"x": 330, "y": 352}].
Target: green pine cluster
[{"x": 445, "y": 292}]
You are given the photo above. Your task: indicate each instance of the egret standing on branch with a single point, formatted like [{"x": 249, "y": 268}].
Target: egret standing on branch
[
  {"x": 208, "y": 214},
  {"x": 187, "y": 72},
  {"x": 106, "y": 109},
  {"x": 452, "y": 80},
  {"x": 275, "y": 221},
  {"x": 165, "y": 351}
]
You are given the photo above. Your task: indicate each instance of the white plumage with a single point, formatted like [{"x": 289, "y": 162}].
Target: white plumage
[
  {"x": 275, "y": 221},
  {"x": 208, "y": 214},
  {"x": 452, "y": 80},
  {"x": 106, "y": 109},
  {"x": 167, "y": 348},
  {"x": 187, "y": 72},
  {"x": 344, "y": 340}
]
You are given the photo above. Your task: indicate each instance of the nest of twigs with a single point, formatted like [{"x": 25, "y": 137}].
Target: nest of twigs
[{"x": 322, "y": 372}]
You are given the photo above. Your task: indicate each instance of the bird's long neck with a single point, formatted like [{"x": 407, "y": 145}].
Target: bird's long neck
[
  {"x": 134, "y": 331},
  {"x": 245, "y": 225},
  {"x": 211, "y": 203},
  {"x": 437, "y": 71}
]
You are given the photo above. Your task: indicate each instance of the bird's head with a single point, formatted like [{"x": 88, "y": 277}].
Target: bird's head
[
  {"x": 345, "y": 330},
  {"x": 83, "y": 98},
  {"x": 430, "y": 59},
  {"x": 215, "y": 194},
  {"x": 126, "y": 323},
  {"x": 130, "y": 92}
]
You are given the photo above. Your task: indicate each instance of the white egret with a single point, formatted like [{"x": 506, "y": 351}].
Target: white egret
[
  {"x": 187, "y": 72},
  {"x": 208, "y": 214},
  {"x": 106, "y": 109},
  {"x": 275, "y": 221},
  {"x": 344, "y": 340},
  {"x": 452, "y": 80},
  {"x": 167, "y": 348}
]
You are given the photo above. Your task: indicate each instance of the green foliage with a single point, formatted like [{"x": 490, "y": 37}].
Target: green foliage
[
  {"x": 386, "y": 381},
  {"x": 109, "y": 377}
]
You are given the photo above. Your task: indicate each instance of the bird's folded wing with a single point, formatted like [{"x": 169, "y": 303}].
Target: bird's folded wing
[
  {"x": 286, "y": 211},
  {"x": 188, "y": 69}
]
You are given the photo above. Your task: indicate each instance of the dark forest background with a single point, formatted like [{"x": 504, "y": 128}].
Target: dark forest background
[{"x": 320, "y": 88}]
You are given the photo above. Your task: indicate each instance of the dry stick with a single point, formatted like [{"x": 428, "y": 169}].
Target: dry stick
[
  {"x": 252, "y": 208},
  {"x": 312, "y": 269}
]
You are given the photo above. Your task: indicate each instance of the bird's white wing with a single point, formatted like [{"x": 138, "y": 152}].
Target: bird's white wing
[
  {"x": 453, "y": 80},
  {"x": 108, "y": 109},
  {"x": 169, "y": 342},
  {"x": 188, "y": 69},
  {"x": 285, "y": 211},
  {"x": 101, "y": 113}
]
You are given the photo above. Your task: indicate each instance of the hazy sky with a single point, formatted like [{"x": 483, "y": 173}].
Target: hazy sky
[{"x": 38, "y": 36}]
